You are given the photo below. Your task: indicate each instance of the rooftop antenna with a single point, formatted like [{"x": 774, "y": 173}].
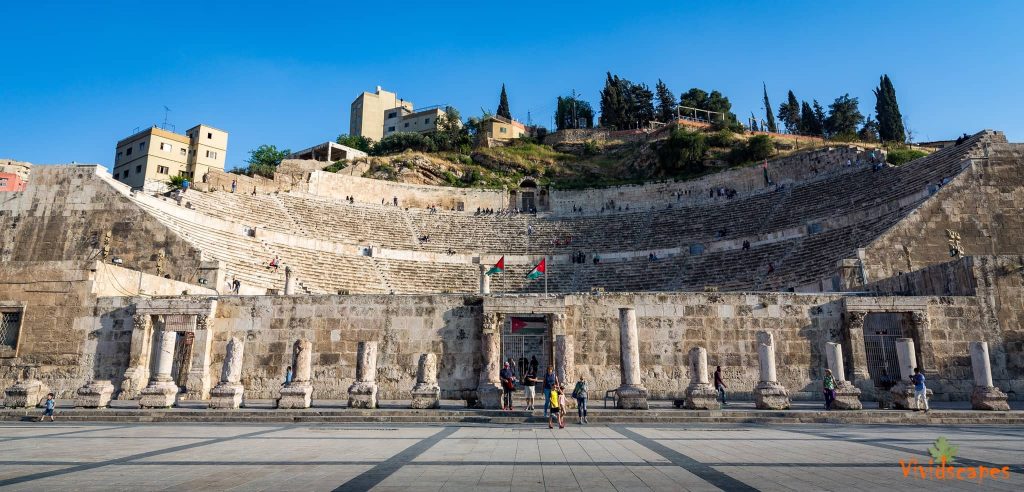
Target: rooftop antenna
[{"x": 166, "y": 111}]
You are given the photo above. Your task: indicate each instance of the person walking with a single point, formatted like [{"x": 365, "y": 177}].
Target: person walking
[
  {"x": 508, "y": 386},
  {"x": 530, "y": 387},
  {"x": 288, "y": 376},
  {"x": 580, "y": 394},
  {"x": 920, "y": 391},
  {"x": 719, "y": 384},
  {"x": 829, "y": 389},
  {"x": 556, "y": 407},
  {"x": 234, "y": 185},
  {"x": 48, "y": 407},
  {"x": 550, "y": 381}
]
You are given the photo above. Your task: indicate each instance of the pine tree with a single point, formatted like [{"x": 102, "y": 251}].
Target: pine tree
[
  {"x": 770, "y": 122},
  {"x": 789, "y": 113},
  {"x": 503, "y": 110},
  {"x": 887, "y": 111},
  {"x": 808, "y": 123},
  {"x": 666, "y": 103},
  {"x": 611, "y": 103},
  {"x": 753, "y": 123},
  {"x": 843, "y": 117},
  {"x": 819, "y": 118},
  {"x": 641, "y": 108}
]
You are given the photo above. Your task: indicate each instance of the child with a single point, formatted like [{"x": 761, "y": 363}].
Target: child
[
  {"x": 48, "y": 407},
  {"x": 920, "y": 391},
  {"x": 556, "y": 406}
]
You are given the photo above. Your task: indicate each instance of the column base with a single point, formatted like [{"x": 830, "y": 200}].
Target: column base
[
  {"x": 702, "y": 396},
  {"x": 631, "y": 397},
  {"x": 226, "y": 395},
  {"x": 362, "y": 394},
  {"x": 770, "y": 395},
  {"x": 989, "y": 398},
  {"x": 426, "y": 397},
  {"x": 95, "y": 394},
  {"x": 847, "y": 397},
  {"x": 29, "y": 393},
  {"x": 296, "y": 395},
  {"x": 159, "y": 394},
  {"x": 903, "y": 396},
  {"x": 488, "y": 395},
  {"x": 132, "y": 384}
]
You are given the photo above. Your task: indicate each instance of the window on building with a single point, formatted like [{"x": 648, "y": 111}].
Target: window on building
[
  {"x": 166, "y": 147},
  {"x": 183, "y": 151},
  {"x": 426, "y": 120},
  {"x": 162, "y": 170},
  {"x": 118, "y": 158},
  {"x": 211, "y": 154},
  {"x": 407, "y": 125},
  {"x": 3, "y": 182},
  {"x": 503, "y": 130},
  {"x": 128, "y": 152},
  {"x": 391, "y": 128},
  {"x": 126, "y": 173},
  {"x": 138, "y": 169},
  {"x": 209, "y": 136},
  {"x": 142, "y": 145},
  {"x": 10, "y": 328},
  {"x": 393, "y": 114}
]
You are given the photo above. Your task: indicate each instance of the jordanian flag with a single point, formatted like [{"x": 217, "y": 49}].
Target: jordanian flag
[
  {"x": 498, "y": 267},
  {"x": 537, "y": 270}
]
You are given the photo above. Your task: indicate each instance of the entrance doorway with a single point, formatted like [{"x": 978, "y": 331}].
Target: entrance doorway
[
  {"x": 182, "y": 359},
  {"x": 525, "y": 339},
  {"x": 529, "y": 202},
  {"x": 880, "y": 333}
]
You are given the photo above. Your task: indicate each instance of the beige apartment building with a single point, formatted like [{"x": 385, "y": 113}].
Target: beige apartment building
[
  {"x": 153, "y": 155},
  {"x": 500, "y": 128},
  {"x": 376, "y": 115}
]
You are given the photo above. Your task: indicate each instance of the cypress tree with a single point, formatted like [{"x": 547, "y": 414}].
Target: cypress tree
[
  {"x": 503, "y": 110},
  {"x": 887, "y": 112},
  {"x": 789, "y": 113},
  {"x": 808, "y": 122},
  {"x": 770, "y": 122},
  {"x": 819, "y": 118},
  {"x": 666, "y": 103}
]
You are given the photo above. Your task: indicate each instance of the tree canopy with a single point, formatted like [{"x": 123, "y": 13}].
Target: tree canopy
[
  {"x": 266, "y": 155},
  {"x": 503, "y": 109},
  {"x": 357, "y": 142},
  {"x": 887, "y": 112},
  {"x": 573, "y": 112},
  {"x": 625, "y": 104},
  {"x": 789, "y": 113},
  {"x": 844, "y": 117},
  {"x": 666, "y": 102}
]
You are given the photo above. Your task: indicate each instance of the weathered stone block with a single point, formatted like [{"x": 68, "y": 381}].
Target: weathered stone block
[
  {"x": 903, "y": 396},
  {"x": 702, "y": 397},
  {"x": 770, "y": 395},
  {"x": 26, "y": 394},
  {"x": 363, "y": 394},
  {"x": 226, "y": 395},
  {"x": 159, "y": 395},
  {"x": 628, "y": 397},
  {"x": 296, "y": 395},
  {"x": 95, "y": 394},
  {"x": 847, "y": 397},
  {"x": 989, "y": 398}
]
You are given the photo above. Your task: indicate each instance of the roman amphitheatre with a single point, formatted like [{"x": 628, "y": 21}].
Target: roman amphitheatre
[{"x": 380, "y": 291}]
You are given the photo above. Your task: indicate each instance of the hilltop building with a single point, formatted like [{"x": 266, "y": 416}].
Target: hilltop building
[
  {"x": 376, "y": 115},
  {"x": 501, "y": 128},
  {"x": 13, "y": 175},
  {"x": 154, "y": 155}
]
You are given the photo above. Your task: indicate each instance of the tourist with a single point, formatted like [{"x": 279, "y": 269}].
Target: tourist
[
  {"x": 553, "y": 401},
  {"x": 534, "y": 365},
  {"x": 236, "y": 285},
  {"x": 508, "y": 386},
  {"x": 530, "y": 387},
  {"x": 184, "y": 185},
  {"x": 550, "y": 381},
  {"x": 746, "y": 245},
  {"x": 48, "y": 407},
  {"x": 253, "y": 191},
  {"x": 234, "y": 185},
  {"x": 395, "y": 200},
  {"x": 580, "y": 394},
  {"x": 288, "y": 376},
  {"x": 720, "y": 384},
  {"x": 275, "y": 263},
  {"x": 920, "y": 391},
  {"x": 830, "y": 389}
]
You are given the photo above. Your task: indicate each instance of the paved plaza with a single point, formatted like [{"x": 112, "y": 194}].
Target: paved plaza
[{"x": 65, "y": 456}]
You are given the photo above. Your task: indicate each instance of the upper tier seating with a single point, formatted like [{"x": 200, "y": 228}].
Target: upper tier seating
[{"x": 797, "y": 235}]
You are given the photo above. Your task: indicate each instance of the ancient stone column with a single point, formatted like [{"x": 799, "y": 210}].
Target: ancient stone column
[
  {"x": 426, "y": 393},
  {"x": 162, "y": 390},
  {"x": 297, "y": 394},
  {"x": 228, "y": 393},
  {"x": 903, "y": 392},
  {"x": 565, "y": 365},
  {"x": 94, "y": 394},
  {"x": 488, "y": 389},
  {"x": 847, "y": 395},
  {"x": 700, "y": 394},
  {"x": 199, "y": 378},
  {"x": 768, "y": 394},
  {"x": 485, "y": 280},
  {"x": 136, "y": 376},
  {"x": 985, "y": 395},
  {"x": 28, "y": 392},
  {"x": 632, "y": 393},
  {"x": 363, "y": 392},
  {"x": 289, "y": 281},
  {"x": 859, "y": 374}
]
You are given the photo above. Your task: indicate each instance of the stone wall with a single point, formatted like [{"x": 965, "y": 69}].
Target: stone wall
[
  {"x": 954, "y": 278},
  {"x": 801, "y": 167},
  {"x": 367, "y": 190}
]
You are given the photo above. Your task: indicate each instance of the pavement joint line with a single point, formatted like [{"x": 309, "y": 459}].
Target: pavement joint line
[
  {"x": 63, "y": 434},
  {"x": 384, "y": 469},
  {"x": 704, "y": 471},
  {"x": 881, "y": 443},
  {"x": 126, "y": 459}
]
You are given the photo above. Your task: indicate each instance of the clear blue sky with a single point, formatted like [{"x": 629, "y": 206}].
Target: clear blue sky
[{"x": 77, "y": 78}]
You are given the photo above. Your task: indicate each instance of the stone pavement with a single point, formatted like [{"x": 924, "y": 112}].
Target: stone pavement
[{"x": 62, "y": 456}]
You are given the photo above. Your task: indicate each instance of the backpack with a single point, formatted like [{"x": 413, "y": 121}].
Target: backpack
[{"x": 580, "y": 391}]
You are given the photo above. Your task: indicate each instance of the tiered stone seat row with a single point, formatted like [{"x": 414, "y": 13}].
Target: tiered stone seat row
[
  {"x": 261, "y": 210},
  {"x": 337, "y": 220}
]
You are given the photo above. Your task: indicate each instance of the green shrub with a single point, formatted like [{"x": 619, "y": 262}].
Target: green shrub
[
  {"x": 754, "y": 149},
  {"x": 899, "y": 157},
  {"x": 590, "y": 147},
  {"x": 682, "y": 153},
  {"x": 400, "y": 142},
  {"x": 722, "y": 139},
  {"x": 176, "y": 182},
  {"x": 337, "y": 166}
]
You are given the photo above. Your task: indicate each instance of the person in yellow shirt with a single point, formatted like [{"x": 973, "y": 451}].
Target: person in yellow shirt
[{"x": 555, "y": 401}]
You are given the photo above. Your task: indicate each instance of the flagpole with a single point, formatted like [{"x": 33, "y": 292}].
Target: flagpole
[{"x": 545, "y": 260}]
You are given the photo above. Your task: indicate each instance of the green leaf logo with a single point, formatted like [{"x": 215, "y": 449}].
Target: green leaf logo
[{"x": 943, "y": 449}]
